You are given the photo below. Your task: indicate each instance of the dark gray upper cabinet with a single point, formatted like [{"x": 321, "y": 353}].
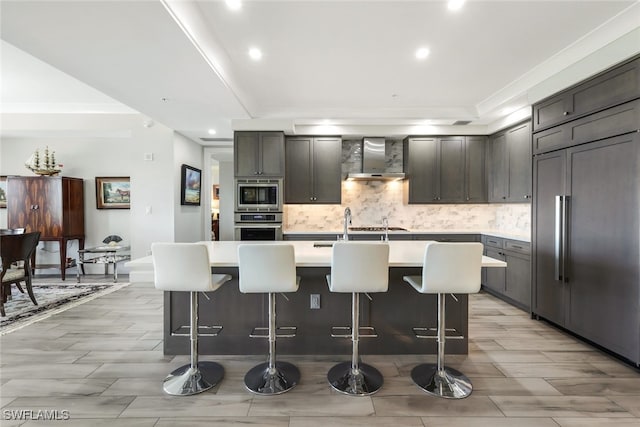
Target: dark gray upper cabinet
[
  {"x": 258, "y": 154},
  {"x": 419, "y": 158},
  {"x": 447, "y": 169},
  {"x": 614, "y": 121},
  {"x": 475, "y": 176},
  {"x": 604, "y": 90},
  {"x": 313, "y": 170},
  {"x": 450, "y": 169},
  {"x": 498, "y": 186},
  {"x": 510, "y": 165}
]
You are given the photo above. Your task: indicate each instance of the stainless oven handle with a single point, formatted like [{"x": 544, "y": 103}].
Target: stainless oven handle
[{"x": 258, "y": 226}]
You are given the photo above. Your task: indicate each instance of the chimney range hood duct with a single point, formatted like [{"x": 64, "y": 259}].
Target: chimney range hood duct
[{"x": 373, "y": 158}]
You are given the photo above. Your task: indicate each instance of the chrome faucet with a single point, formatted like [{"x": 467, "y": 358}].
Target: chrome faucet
[
  {"x": 385, "y": 224},
  {"x": 347, "y": 223}
]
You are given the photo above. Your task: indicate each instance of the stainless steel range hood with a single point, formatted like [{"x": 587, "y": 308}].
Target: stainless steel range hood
[{"x": 373, "y": 159}]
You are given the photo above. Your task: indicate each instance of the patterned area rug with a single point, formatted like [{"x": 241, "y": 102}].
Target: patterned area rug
[{"x": 52, "y": 298}]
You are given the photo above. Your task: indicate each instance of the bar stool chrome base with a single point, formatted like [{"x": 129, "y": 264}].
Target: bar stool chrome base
[
  {"x": 261, "y": 380},
  {"x": 448, "y": 383},
  {"x": 186, "y": 381},
  {"x": 364, "y": 382}
]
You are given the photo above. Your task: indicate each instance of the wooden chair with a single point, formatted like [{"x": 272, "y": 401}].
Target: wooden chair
[{"x": 15, "y": 248}]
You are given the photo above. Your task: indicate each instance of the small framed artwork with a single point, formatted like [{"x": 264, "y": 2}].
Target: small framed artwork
[
  {"x": 113, "y": 192},
  {"x": 190, "y": 185},
  {"x": 216, "y": 192},
  {"x": 3, "y": 192}
]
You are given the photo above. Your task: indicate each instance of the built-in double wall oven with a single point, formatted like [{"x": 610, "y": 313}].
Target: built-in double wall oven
[{"x": 258, "y": 209}]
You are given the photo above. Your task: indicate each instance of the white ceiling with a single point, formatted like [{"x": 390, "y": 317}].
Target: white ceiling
[{"x": 185, "y": 63}]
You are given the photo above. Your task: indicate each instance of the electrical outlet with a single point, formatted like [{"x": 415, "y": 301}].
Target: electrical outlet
[{"x": 315, "y": 301}]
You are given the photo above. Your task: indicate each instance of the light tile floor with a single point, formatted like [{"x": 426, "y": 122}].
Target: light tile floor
[{"x": 103, "y": 363}]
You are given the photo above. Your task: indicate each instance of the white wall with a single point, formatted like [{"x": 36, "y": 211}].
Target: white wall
[
  {"x": 187, "y": 219},
  {"x": 90, "y": 145}
]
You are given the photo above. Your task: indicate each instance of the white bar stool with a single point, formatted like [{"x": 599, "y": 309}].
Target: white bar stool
[
  {"x": 184, "y": 267},
  {"x": 357, "y": 267},
  {"x": 448, "y": 268},
  {"x": 269, "y": 268}
]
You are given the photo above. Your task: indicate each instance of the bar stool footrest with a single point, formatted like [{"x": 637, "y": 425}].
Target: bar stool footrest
[
  {"x": 214, "y": 331},
  {"x": 281, "y": 332},
  {"x": 432, "y": 333},
  {"x": 364, "y": 332}
]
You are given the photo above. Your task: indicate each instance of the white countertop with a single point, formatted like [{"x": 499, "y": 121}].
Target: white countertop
[{"x": 408, "y": 253}]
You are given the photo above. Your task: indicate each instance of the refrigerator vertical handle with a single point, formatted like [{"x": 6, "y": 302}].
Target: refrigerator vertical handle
[
  {"x": 558, "y": 238},
  {"x": 565, "y": 233}
]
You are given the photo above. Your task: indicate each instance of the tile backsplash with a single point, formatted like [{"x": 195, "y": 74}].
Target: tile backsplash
[{"x": 371, "y": 200}]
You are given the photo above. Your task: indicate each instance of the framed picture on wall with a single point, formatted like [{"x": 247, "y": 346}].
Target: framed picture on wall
[
  {"x": 3, "y": 192},
  {"x": 216, "y": 192},
  {"x": 113, "y": 192},
  {"x": 190, "y": 185}
]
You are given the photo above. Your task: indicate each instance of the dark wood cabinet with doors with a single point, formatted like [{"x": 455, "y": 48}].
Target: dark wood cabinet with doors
[
  {"x": 510, "y": 165},
  {"x": 258, "y": 154},
  {"x": 54, "y": 206},
  {"x": 602, "y": 91},
  {"x": 586, "y": 232},
  {"x": 313, "y": 170},
  {"x": 448, "y": 169},
  {"x": 512, "y": 284},
  {"x": 586, "y": 214}
]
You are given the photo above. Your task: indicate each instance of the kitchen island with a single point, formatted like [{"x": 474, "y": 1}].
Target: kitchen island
[{"x": 392, "y": 313}]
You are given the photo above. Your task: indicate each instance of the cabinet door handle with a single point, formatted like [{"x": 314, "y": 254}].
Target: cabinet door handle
[
  {"x": 566, "y": 113},
  {"x": 527, "y": 196}
]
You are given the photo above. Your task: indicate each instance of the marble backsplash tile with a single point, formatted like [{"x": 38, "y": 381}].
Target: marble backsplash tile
[{"x": 371, "y": 200}]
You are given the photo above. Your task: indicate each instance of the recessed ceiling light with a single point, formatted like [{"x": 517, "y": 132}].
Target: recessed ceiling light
[
  {"x": 255, "y": 53},
  {"x": 455, "y": 5},
  {"x": 422, "y": 53},
  {"x": 211, "y": 131},
  {"x": 234, "y": 4}
]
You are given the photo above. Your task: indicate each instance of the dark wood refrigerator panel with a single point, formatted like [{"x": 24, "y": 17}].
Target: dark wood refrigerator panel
[
  {"x": 549, "y": 293},
  {"x": 586, "y": 265},
  {"x": 603, "y": 244}
]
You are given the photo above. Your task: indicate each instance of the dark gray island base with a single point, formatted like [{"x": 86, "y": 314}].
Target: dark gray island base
[{"x": 393, "y": 314}]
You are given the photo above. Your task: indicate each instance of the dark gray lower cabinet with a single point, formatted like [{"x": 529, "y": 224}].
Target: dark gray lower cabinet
[
  {"x": 586, "y": 261},
  {"x": 513, "y": 284}
]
